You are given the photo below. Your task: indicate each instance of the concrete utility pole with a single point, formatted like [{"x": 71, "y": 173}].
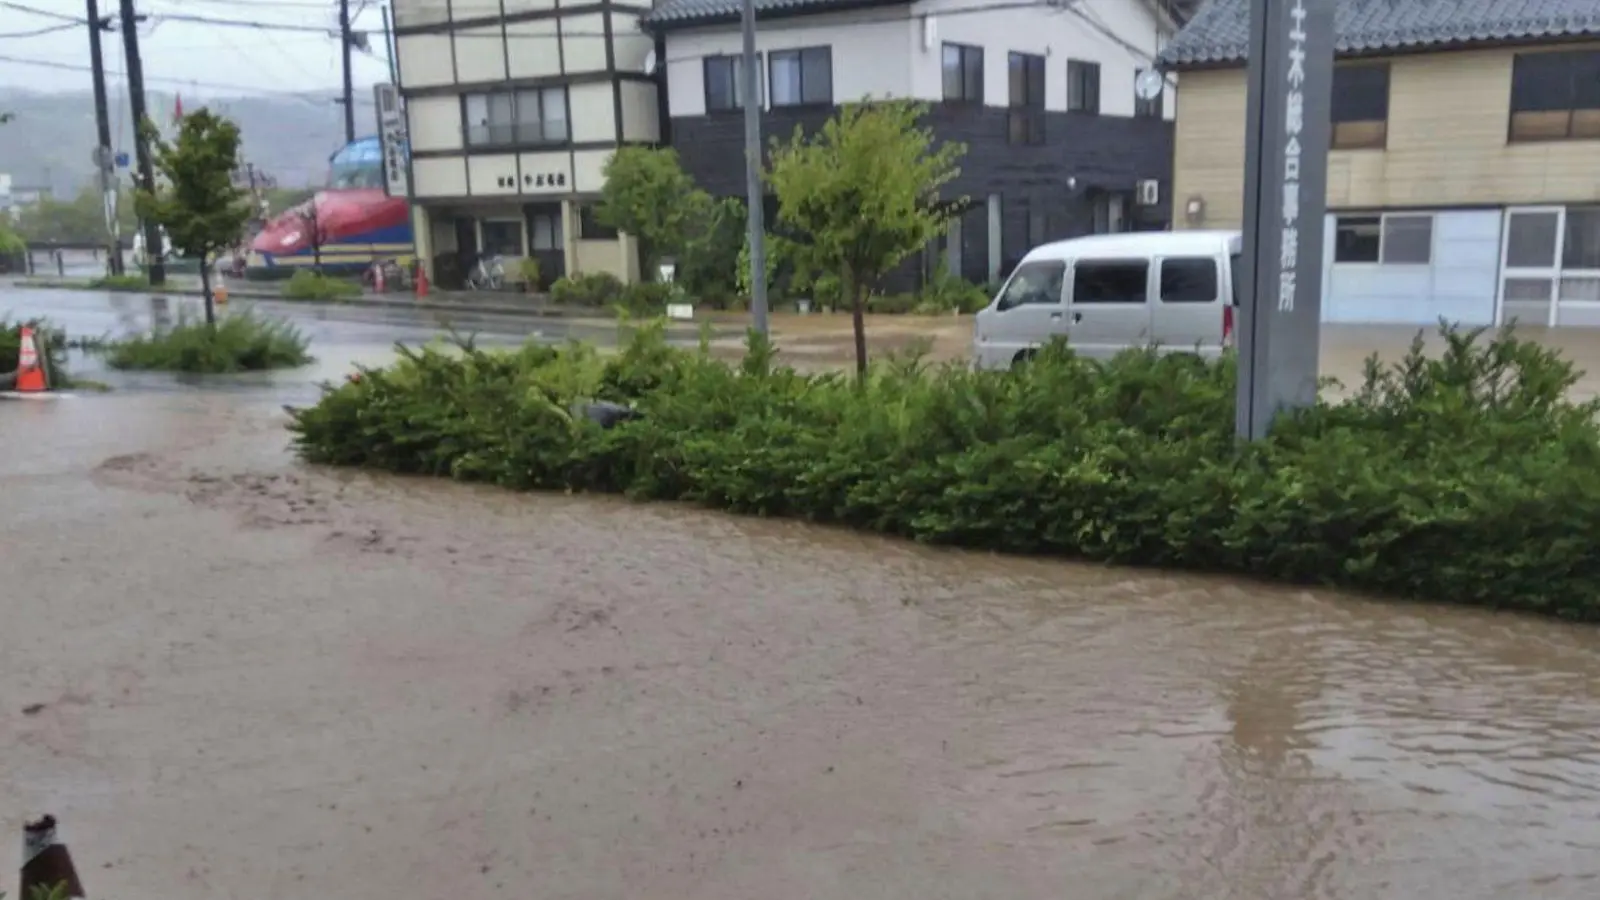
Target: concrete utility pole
[
  {"x": 344, "y": 50},
  {"x": 750, "y": 93},
  {"x": 102, "y": 154},
  {"x": 1285, "y": 202},
  {"x": 155, "y": 269}
]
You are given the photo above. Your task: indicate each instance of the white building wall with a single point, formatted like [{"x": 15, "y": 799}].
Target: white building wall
[
  {"x": 1459, "y": 284},
  {"x": 897, "y": 52},
  {"x": 871, "y": 54},
  {"x": 1123, "y": 36}
]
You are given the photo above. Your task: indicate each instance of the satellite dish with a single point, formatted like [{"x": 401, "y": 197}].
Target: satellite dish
[
  {"x": 650, "y": 62},
  {"x": 1149, "y": 84}
]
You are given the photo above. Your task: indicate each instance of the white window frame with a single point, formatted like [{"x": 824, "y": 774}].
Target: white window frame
[{"x": 1555, "y": 272}]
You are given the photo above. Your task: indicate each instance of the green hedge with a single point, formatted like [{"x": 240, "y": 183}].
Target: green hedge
[
  {"x": 308, "y": 285},
  {"x": 239, "y": 342},
  {"x": 1467, "y": 478}
]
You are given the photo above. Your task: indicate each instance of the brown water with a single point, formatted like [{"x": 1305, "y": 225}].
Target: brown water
[{"x": 257, "y": 680}]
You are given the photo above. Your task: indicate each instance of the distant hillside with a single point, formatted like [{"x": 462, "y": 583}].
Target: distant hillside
[{"x": 53, "y": 135}]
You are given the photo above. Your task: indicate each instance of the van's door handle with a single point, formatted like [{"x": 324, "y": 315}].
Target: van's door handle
[
  {"x": 1077, "y": 317},
  {"x": 1056, "y": 316}
]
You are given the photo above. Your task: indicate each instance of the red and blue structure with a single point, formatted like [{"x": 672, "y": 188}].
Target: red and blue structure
[{"x": 360, "y": 223}]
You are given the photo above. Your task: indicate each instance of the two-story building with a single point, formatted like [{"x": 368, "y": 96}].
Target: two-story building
[
  {"x": 513, "y": 108},
  {"x": 1042, "y": 94},
  {"x": 1464, "y": 174}
]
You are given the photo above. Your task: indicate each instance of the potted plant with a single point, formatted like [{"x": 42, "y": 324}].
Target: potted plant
[{"x": 529, "y": 269}]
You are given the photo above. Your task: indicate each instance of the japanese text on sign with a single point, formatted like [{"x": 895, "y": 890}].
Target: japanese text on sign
[{"x": 1293, "y": 122}]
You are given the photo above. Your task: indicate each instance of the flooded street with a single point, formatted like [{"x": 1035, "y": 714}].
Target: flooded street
[{"x": 230, "y": 675}]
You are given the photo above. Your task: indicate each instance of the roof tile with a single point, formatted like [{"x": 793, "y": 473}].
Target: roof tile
[{"x": 1219, "y": 33}]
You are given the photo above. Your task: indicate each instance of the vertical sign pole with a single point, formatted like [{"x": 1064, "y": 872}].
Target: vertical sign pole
[{"x": 1285, "y": 207}]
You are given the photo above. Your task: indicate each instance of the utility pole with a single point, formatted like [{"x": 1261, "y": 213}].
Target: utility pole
[
  {"x": 102, "y": 153},
  {"x": 153, "y": 245},
  {"x": 344, "y": 49},
  {"x": 388, "y": 46},
  {"x": 750, "y": 92}
]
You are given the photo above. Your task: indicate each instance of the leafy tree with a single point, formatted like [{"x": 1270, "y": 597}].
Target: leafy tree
[
  {"x": 199, "y": 205},
  {"x": 11, "y": 243},
  {"x": 648, "y": 195},
  {"x": 861, "y": 195},
  {"x": 79, "y": 220}
]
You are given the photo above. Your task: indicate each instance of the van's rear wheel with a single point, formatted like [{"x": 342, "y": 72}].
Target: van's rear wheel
[{"x": 1023, "y": 356}]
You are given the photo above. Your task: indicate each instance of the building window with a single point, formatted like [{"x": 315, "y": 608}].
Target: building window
[
  {"x": 1025, "y": 120},
  {"x": 802, "y": 77},
  {"x": 546, "y": 231},
  {"x": 1356, "y": 239},
  {"x": 590, "y": 228},
  {"x": 1147, "y": 109},
  {"x": 1407, "y": 240},
  {"x": 1083, "y": 86},
  {"x": 963, "y": 74},
  {"x": 1190, "y": 280},
  {"x": 1555, "y": 96},
  {"x": 724, "y": 77},
  {"x": 1360, "y": 107},
  {"x": 1580, "y": 246},
  {"x": 1110, "y": 281},
  {"x": 519, "y": 117},
  {"x": 1401, "y": 239},
  {"x": 501, "y": 237}
]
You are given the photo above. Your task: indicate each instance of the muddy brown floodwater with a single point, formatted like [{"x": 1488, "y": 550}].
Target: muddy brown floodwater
[{"x": 231, "y": 676}]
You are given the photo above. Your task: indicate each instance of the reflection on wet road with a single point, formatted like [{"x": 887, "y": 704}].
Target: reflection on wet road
[
  {"x": 257, "y": 677},
  {"x": 340, "y": 335}
]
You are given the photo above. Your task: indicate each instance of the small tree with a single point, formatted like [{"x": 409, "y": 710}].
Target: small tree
[
  {"x": 199, "y": 206},
  {"x": 648, "y": 195},
  {"x": 861, "y": 195}
]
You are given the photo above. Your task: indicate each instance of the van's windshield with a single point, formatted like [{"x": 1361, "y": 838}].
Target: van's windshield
[{"x": 1236, "y": 273}]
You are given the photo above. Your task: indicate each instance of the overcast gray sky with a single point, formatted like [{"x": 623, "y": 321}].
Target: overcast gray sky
[{"x": 195, "y": 58}]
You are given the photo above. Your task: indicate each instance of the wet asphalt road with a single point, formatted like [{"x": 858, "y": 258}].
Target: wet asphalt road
[{"x": 341, "y": 336}]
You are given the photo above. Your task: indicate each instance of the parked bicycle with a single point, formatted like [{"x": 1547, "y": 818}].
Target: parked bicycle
[{"x": 488, "y": 275}]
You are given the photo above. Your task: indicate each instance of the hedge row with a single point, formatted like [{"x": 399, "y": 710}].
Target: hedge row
[{"x": 1467, "y": 478}]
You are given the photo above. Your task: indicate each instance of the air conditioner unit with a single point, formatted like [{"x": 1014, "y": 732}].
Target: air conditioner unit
[{"x": 1149, "y": 192}]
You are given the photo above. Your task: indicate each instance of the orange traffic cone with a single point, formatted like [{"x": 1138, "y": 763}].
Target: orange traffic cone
[
  {"x": 30, "y": 372},
  {"x": 45, "y": 863},
  {"x": 422, "y": 281}
]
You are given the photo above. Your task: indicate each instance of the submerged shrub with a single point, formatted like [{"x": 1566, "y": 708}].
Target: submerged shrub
[
  {"x": 241, "y": 342},
  {"x": 49, "y": 340},
  {"x": 1466, "y": 478}
]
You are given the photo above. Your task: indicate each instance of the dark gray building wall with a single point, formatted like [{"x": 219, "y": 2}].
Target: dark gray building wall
[{"x": 1047, "y": 191}]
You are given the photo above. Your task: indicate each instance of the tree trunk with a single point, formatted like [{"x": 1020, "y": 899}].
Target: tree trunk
[
  {"x": 858, "y": 310},
  {"x": 205, "y": 290}
]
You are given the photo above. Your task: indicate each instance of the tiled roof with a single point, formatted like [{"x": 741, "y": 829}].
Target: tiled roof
[
  {"x": 1219, "y": 33},
  {"x": 683, "y": 13}
]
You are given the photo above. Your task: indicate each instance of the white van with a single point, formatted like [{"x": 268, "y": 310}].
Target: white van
[{"x": 1109, "y": 292}]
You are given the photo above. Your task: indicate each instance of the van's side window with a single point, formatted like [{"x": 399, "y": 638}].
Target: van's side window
[
  {"x": 1034, "y": 283},
  {"x": 1111, "y": 281},
  {"x": 1189, "y": 280}
]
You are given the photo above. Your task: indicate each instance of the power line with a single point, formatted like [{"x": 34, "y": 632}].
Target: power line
[
  {"x": 248, "y": 91},
  {"x": 34, "y": 10},
  {"x": 48, "y": 29}
]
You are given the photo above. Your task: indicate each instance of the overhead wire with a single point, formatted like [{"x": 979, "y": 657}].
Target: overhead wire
[
  {"x": 48, "y": 29},
  {"x": 308, "y": 96}
]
